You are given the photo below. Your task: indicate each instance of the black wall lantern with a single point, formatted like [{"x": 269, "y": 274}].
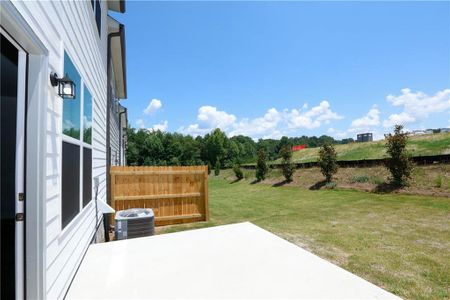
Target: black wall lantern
[{"x": 66, "y": 87}]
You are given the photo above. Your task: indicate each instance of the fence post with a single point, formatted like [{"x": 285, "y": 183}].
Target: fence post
[
  {"x": 205, "y": 191},
  {"x": 113, "y": 193}
]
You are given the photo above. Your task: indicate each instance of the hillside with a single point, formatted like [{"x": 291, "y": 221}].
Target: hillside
[{"x": 432, "y": 144}]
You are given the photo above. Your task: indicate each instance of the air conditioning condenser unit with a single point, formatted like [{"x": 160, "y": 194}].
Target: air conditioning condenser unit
[{"x": 134, "y": 222}]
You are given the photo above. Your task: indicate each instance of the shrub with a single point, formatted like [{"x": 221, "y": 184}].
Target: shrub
[
  {"x": 438, "y": 181},
  {"x": 261, "y": 166},
  {"x": 328, "y": 161},
  {"x": 238, "y": 172},
  {"x": 398, "y": 162},
  {"x": 217, "y": 169},
  {"x": 330, "y": 185},
  {"x": 209, "y": 168},
  {"x": 360, "y": 179},
  {"x": 378, "y": 180},
  {"x": 287, "y": 167}
]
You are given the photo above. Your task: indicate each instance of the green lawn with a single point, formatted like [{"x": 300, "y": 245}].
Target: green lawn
[
  {"x": 399, "y": 242},
  {"x": 433, "y": 144}
]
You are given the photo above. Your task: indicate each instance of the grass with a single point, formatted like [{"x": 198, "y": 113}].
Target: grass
[
  {"x": 398, "y": 242},
  {"x": 428, "y": 180},
  {"x": 433, "y": 144}
]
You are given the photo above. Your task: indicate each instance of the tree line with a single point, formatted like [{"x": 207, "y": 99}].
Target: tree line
[{"x": 157, "y": 148}]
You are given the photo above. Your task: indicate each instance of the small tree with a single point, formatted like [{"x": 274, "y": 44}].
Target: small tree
[
  {"x": 238, "y": 172},
  {"x": 398, "y": 161},
  {"x": 327, "y": 161},
  {"x": 209, "y": 168},
  {"x": 287, "y": 167},
  {"x": 217, "y": 168},
  {"x": 261, "y": 166}
]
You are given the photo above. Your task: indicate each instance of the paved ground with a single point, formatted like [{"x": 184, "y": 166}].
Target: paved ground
[{"x": 231, "y": 261}]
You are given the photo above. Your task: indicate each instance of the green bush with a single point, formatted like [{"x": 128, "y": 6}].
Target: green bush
[
  {"x": 330, "y": 185},
  {"x": 438, "y": 181},
  {"x": 217, "y": 169},
  {"x": 398, "y": 161},
  {"x": 209, "y": 168},
  {"x": 377, "y": 180},
  {"x": 328, "y": 161},
  {"x": 261, "y": 165},
  {"x": 238, "y": 172},
  {"x": 287, "y": 167},
  {"x": 360, "y": 179}
]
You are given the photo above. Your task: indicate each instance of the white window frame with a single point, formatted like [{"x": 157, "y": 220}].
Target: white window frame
[{"x": 80, "y": 143}]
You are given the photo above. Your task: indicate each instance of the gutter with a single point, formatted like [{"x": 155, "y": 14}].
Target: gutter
[
  {"x": 108, "y": 124},
  {"x": 124, "y": 61}
]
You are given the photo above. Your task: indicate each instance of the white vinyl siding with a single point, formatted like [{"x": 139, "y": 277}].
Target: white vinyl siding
[
  {"x": 115, "y": 142},
  {"x": 69, "y": 26}
]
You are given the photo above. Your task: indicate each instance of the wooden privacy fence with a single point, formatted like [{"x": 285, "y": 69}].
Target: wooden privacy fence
[{"x": 176, "y": 194}]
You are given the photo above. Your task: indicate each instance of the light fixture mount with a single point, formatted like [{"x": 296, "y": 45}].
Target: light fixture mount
[{"x": 66, "y": 86}]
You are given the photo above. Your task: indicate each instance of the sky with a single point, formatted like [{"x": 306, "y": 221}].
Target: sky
[{"x": 268, "y": 69}]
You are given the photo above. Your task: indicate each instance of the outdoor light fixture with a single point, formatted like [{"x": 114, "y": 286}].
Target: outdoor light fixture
[{"x": 66, "y": 87}]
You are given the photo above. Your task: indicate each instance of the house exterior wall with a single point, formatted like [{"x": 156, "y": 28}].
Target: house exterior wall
[
  {"x": 69, "y": 26},
  {"x": 114, "y": 122},
  {"x": 117, "y": 144},
  {"x": 115, "y": 135}
]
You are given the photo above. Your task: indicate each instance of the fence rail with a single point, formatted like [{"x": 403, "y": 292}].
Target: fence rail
[{"x": 176, "y": 194}]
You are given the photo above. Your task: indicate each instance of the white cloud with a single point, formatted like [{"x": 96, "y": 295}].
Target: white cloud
[
  {"x": 417, "y": 106},
  {"x": 338, "y": 134},
  {"x": 140, "y": 123},
  {"x": 210, "y": 117},
  {"x": 273, "y": 124},
  {"x": 161, "y": 126},
  {"x": 313, "y": 118},
  {"x": 153, "y": 106},
  {"x": 370, "y": 120},
  {"x": 194, "y": 130},
  {"x": 261, "y": 126},
  {"x": 401, "y": 119}
]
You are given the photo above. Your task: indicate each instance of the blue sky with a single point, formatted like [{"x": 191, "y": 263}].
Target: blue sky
[{"x": 267, "y": 69}]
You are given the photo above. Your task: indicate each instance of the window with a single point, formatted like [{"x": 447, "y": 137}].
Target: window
[
  {"x": 70, "y": 182},
  {"x": 96, "y": 7},
  {"x": 87, "y": 117},
  {"x": 71, "y": 108},
  {"x": 76, "y": 182},
  {"x": 87, "y": 176}
]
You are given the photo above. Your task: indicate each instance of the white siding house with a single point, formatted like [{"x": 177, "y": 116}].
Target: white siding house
[{"x": 62, "y": 144}]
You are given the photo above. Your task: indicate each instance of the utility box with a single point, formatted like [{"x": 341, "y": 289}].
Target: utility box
[{"x": 133, "y": 223}]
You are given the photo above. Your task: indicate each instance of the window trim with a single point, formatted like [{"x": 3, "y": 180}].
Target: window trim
[{"x": 81, "y": 144}]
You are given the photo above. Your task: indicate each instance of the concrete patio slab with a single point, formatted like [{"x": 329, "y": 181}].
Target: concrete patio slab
[{"x": 232, "y": 261}]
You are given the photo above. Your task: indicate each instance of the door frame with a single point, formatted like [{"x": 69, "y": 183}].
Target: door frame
[
  {"x": 19, "y": 235},
  {"x": 37, "y": 87}
]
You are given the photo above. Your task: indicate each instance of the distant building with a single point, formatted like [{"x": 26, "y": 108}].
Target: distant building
[
  {"x": 417, "y": 132},
  {"x": 364, "y": 137}
]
